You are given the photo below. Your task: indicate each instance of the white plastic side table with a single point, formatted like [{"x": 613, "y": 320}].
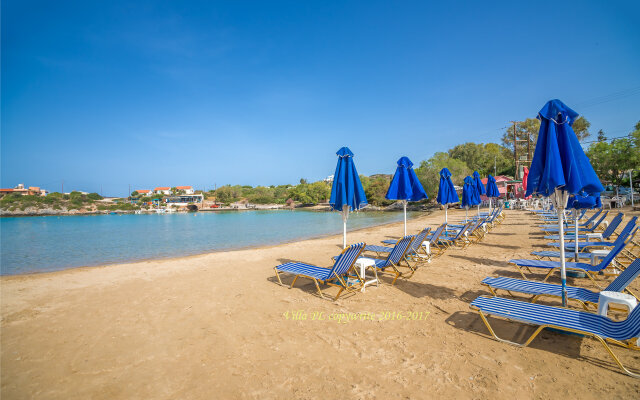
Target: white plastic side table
[
  {"x": 594, "y": 236},
  {"x": 609, "y": 297},
  {"x": 426, "y": 245},
  {"x": 363, "y": 263},
  {"x": 596, "y": 255}
]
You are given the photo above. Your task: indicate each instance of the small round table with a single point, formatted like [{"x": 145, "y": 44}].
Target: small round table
[{"x": 363, "y": 263}]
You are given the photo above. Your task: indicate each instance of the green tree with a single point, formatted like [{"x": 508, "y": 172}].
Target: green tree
[
  {"x": 375, "y": 188},
  {"x": 612, "y": 160},
  {"x": 228, "y": 194},
  {"x": 96, "y": 196},
  {"x": 482, "y": 157},
  {"x": 429, "y": 172},
  {"x": 135, "y": 193}
]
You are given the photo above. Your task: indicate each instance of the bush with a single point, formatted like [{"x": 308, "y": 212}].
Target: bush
[{"x": 94, "y": 196}]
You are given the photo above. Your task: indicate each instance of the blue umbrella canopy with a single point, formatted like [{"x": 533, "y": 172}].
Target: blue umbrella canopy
[
  {"x": 347, "y": 189},
  {"x": 478, "y": 182},
  {"x": 470, "y": 196},
  {"x": 405, "y": 184},
  {"x": 583, "y": 200},
  {"x": 559, "y": 161},
  {"x": 560, "y": 167},
  {"x": 492, "y": 188},
  {"x": 347, "y": 192},
  {"x": 446, "y": 192}
]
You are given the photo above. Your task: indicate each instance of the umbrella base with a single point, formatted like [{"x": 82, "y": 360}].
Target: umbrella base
[{"x": 576, "y": 274}]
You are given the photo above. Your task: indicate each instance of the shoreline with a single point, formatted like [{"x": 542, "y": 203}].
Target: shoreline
[{"x": 207, "y": 252}]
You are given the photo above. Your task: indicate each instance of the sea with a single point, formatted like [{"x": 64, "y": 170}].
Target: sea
[{"x": 52, "y": 243}]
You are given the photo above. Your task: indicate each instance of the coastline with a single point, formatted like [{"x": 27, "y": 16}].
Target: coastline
[
  {"x": 193, "y": 326},
  {"x": 188, "y": 255}
]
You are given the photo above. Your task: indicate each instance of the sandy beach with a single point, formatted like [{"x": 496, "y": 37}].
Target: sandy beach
[{"x": 219, "y": 326}]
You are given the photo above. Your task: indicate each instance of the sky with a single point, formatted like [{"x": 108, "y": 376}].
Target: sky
[{"x": 101, "y": 95}]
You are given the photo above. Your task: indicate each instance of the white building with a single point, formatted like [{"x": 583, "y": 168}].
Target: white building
[
  {"x": 186, "y": 189},
  {"x": 162, "y": 190}
]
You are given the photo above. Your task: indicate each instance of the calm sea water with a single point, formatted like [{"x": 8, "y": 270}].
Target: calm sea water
[{"x": 38, "y": 244}]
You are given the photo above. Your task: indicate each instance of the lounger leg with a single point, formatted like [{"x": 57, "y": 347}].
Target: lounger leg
[
  {"x": 615, "y": 358},
  {"x": 521, "y": 273},
  {"x": 317, "y": 287},
  {"x": 294, "y": 281},
  {"x": 548, "y": 274},
  {"x": 525, "y": 344},
  {"x": 278, "y": 276}
]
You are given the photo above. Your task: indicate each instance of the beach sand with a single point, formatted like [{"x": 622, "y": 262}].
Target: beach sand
[{"x": 214, "y": 326}]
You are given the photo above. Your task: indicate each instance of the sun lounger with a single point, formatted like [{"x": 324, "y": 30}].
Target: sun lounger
[
  {"x": 335, "y": 276},
  {"x": 609, "y": 231},
  {"x": 582, "y": 295},
  {"x": 629, "y": 227},
  {"x": 435, "y": 249},
  {"x": 623, "y": 333},
  {"x": 552, "y": 266},
  {"x": 456, "y": 238},
  {"x": 393, "y": 261},
  {"x": 554, "y": 228},
  {"x": 416, "y": 251}
]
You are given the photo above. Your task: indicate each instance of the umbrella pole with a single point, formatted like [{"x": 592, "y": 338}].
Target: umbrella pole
[
  {"x": 445, "y": 213},
  {"x": 631, "y": 186},
  {"x": 478, "y": 210},
  {"x": 490, "y": 203},
  {"x": 559, "y": 197},
  {"x": 404, "y": 204},
  {"x": 466, "y": 214},
  {"x": 576, "y": 228},
  {"x": 345, "y": 215}
]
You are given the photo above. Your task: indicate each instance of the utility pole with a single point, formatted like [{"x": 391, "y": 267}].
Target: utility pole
[
  {"x": 62, "y": 189},
  {"x": 515, "y": 149},
  {"x": 129, "y": 194},
  {"x": 494, "y": 165},
  {"x": 528, "y": 147}
]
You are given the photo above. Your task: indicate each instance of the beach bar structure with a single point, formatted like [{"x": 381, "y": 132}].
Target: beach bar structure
[{"x": 184, "y": 199}]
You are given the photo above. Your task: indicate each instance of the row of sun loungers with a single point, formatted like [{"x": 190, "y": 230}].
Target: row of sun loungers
[
  {"x": 401, "y": 260},
  {"x": 621, "y": 260}
]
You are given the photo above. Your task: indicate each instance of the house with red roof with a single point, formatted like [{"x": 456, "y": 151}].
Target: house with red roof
[{"x": 162, "y": 190}]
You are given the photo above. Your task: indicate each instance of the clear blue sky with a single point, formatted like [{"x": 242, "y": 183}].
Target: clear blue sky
[{"x": 151, "y": 93}]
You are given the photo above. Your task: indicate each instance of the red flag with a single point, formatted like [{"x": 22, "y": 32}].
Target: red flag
[{"x": 524, "y": 178}]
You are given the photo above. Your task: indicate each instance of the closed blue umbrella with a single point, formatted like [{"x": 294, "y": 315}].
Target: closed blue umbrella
[
  {"x": 470, "y": 195},
  {"x": 492, "y": 189},
  {"x": 479, "y": 187},
  {"x": 347, "y": 192},
  {"x": 446, "y": 192},
  {"x": 405, "y": 186},
  {"x": 560, "y": 167}
]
